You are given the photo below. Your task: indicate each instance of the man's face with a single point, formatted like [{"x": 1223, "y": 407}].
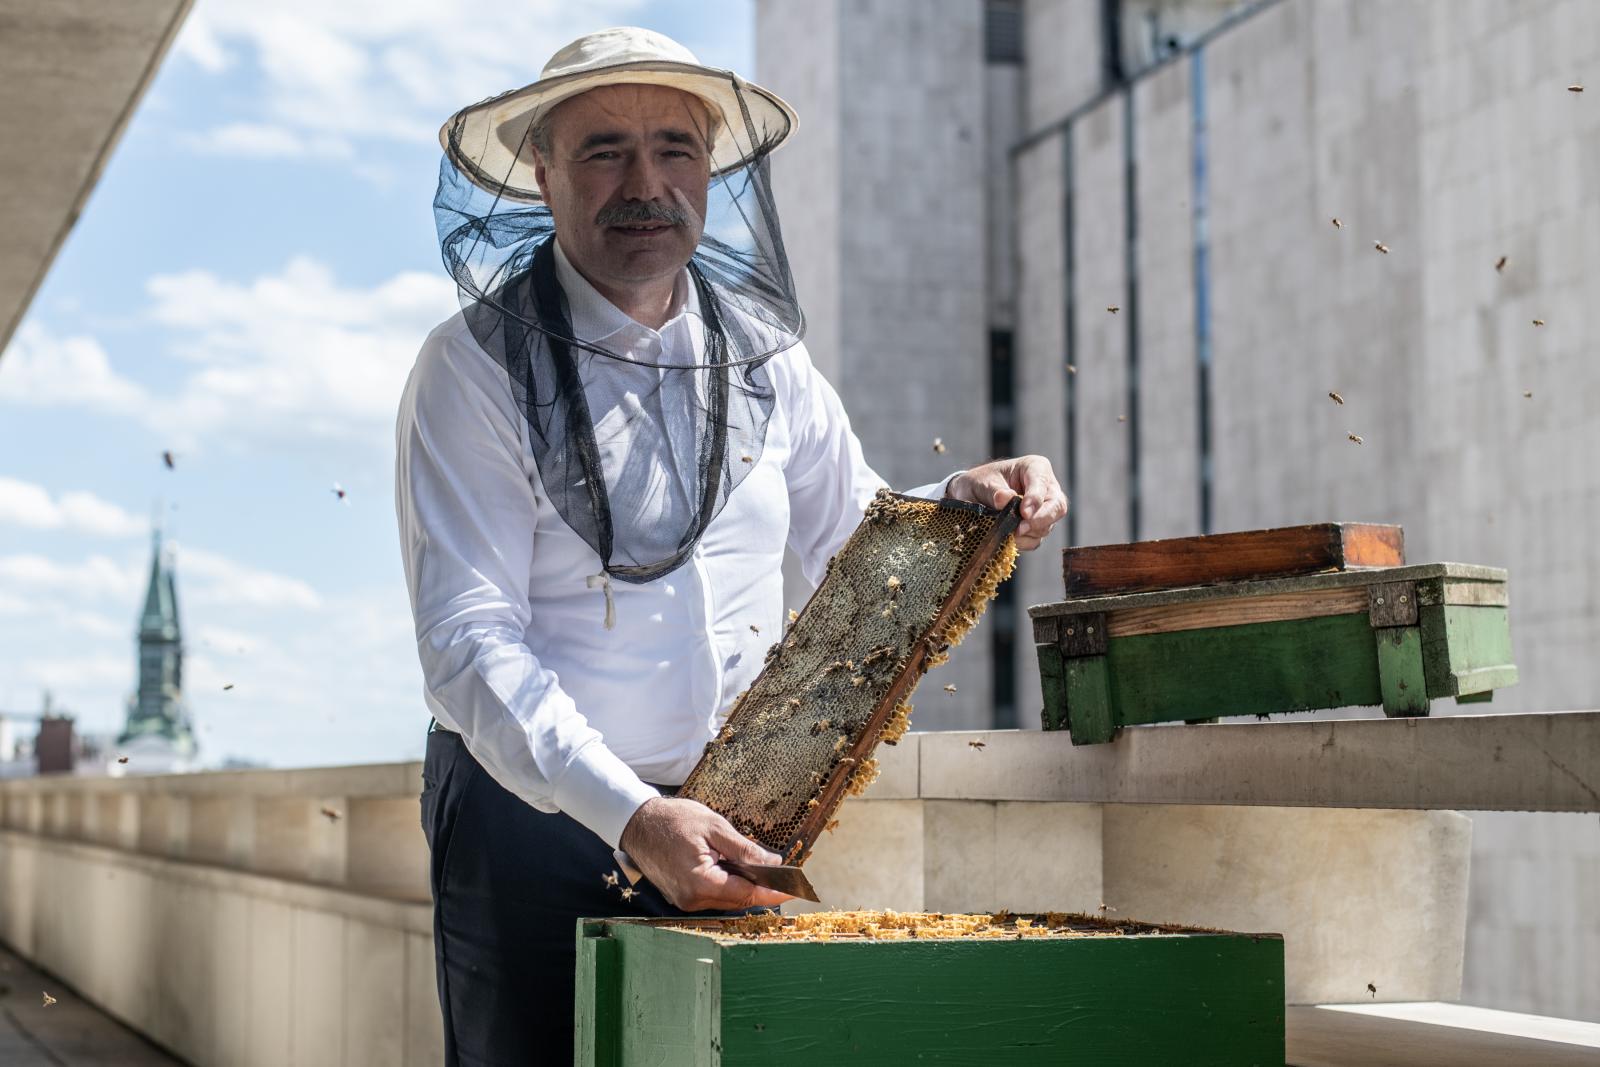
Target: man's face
[{"x": 626, "y": 181}]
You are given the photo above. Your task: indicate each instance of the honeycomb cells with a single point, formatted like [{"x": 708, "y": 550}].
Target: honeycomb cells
[{"x": 912, "y": 579}]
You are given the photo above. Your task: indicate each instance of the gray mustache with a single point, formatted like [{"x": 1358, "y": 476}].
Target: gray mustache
[{"x": 635, "y": 212}]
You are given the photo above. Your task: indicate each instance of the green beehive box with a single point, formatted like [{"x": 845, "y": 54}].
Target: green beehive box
[
  {"x": 1395, "y": 636},
  {"x": 652, "y": 992}
]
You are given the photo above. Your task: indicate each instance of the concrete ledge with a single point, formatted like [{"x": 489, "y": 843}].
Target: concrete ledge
[
  {"x": 1427, "y": 1034},
  {"x": 222, "y": 966},
  {"x": 1360, "y": 897},
  {"x": 1533, "y": 762}
]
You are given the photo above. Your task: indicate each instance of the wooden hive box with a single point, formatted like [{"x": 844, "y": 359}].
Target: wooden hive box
[
  {"x": 1350, "y": 629},
  {"x": 655, "y": 992}
]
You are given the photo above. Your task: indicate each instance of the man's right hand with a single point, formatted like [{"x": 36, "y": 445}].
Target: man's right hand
[{"x": 679, "y": 846}]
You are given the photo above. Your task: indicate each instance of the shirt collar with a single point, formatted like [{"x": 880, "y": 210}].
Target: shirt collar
[{"x": 594, "y": 318}]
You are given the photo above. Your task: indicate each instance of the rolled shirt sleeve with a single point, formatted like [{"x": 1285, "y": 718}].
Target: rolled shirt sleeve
[
  {"x": 829, "y": 481},
  {"x": 467, "y": 512}
]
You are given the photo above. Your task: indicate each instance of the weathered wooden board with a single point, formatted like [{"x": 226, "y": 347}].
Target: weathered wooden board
[
  {"x": 1236, "y": 611},
  {"x": 1195, "y": 998},
  {"x": 1185, "y": 561},
  {"x": 1458, "y": 581}
]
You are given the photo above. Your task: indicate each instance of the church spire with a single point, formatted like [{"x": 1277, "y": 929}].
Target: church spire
[{"x": 157, "y": 712}]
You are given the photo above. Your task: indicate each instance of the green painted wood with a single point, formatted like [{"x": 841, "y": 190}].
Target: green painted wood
[
  {"x": 708, "y": 1012},
  {"x": 1476, "y": 698},
  {"x": 1484, "y": 681},
  {"x": 1400, "y": 674},
  {"x": 1171, "y": 999},
  {"x": 595, "y": 1008},
  {"x": 1053, "y": 681},
  {"x": 1257, "y": 668},
  {"x": 1091, "y": 716},
  {"x": 662, "y": 998},
  {"x": 1461, "y": 640}
]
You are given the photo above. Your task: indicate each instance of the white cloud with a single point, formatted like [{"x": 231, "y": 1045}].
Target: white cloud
[
  {"x": 44, "y": 369},
  {"x": 390, "y": 70},
  {"x": 98, "y": 578},
  {"x": 25, "y": 504},
  {"x": 282, "y": 357},
  {"x": 261, "y": 140},
  {"x": 218, "y": 581},
  {"x": 296, "y": 354}
]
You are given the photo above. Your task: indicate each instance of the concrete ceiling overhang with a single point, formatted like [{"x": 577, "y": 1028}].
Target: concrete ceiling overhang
[{"x": 71, "y": 73}]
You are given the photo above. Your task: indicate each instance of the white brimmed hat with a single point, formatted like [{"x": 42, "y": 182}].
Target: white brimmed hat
[{"x": 488, "y": 141}]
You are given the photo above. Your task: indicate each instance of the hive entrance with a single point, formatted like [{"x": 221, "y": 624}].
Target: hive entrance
[{"x": 911, "y": 581}]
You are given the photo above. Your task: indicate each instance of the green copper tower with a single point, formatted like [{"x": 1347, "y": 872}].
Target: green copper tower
[{"x": 158, "y": 724}]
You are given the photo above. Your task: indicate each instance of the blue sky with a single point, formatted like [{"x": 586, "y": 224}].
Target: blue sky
[{"x": 248, "y": 287}]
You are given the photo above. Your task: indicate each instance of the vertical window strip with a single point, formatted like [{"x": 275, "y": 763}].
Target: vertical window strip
[{"x": 1199, "y": 199}]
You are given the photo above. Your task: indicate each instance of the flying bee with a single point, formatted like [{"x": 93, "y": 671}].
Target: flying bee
[
  {"x": 1113, "y": 308},
  {"x": 1354, "y": 437},
  {"x": 227, "y": 687},
  {"x": 1380, "y": 246},
  {"x": 938, "y": 444},
  {"x": 1527, "y": 394},
  {"x": 609, "y": 879},
  {"x": 1500, "y": 264},
  {"x": 949, "y": 689},
  {"x": 122, "y": 759},
  {"x": 1122, "y": 418},
  {"x": 755, "y": 629},
  {"x": 1373, "y": 990},
  {"x": 1538, "y": 322},
  {"x": 977, "y": 745},
  {"x": 339, "y": 492},
  {"x": 331, "y": 814},
  {"x": 166, "y": 457},
  {"x": 1072, "y": 368},
  {"x": 628, "y": 892},
  {"x": 746, "y": 459},
  {"x": 1574, "y": 88},
  {"x": 1337, "y": 224},
  {"x": 48, "y": 1000},
  {"x": 1335, "y": 397}
]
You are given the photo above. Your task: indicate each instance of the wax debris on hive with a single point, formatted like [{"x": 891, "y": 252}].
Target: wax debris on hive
[{"x": 898, "y": 925}]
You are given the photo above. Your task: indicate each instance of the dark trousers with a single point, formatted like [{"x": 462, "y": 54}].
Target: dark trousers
[{"x": 509, "y": 886}]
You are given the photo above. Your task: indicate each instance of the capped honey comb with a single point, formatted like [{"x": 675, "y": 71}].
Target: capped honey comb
[{"x": 910, "y": 582}]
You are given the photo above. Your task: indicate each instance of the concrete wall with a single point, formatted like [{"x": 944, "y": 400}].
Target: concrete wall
[
  {"x": 1445, "y": 132},
  {"x": 233, "y": 922},
  {"x": 226, "y": 917},
  {"x": 882, "y": 194}
]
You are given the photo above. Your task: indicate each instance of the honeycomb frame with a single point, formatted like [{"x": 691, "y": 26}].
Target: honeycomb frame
[{"x": 909, "y": 583}]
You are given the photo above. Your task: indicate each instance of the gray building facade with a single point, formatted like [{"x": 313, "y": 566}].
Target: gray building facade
[{"x": 965, "y": 203}]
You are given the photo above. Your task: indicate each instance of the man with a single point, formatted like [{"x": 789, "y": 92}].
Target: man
[{"x": 599, "y": 464}]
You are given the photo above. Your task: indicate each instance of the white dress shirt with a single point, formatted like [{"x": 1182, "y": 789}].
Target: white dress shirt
[{"x": 516, "y": 657}]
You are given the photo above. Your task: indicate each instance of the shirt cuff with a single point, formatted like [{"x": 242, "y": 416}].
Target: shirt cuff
[
  {"x": 934, "y": 490},
  {"x": 601, "y": 792}
]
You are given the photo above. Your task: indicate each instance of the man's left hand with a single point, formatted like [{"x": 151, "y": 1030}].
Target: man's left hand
[{"x": 1030, "y": 477}]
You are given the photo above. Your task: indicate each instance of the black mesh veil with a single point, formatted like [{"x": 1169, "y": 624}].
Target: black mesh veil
[{"x": 637, "y": 447}]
